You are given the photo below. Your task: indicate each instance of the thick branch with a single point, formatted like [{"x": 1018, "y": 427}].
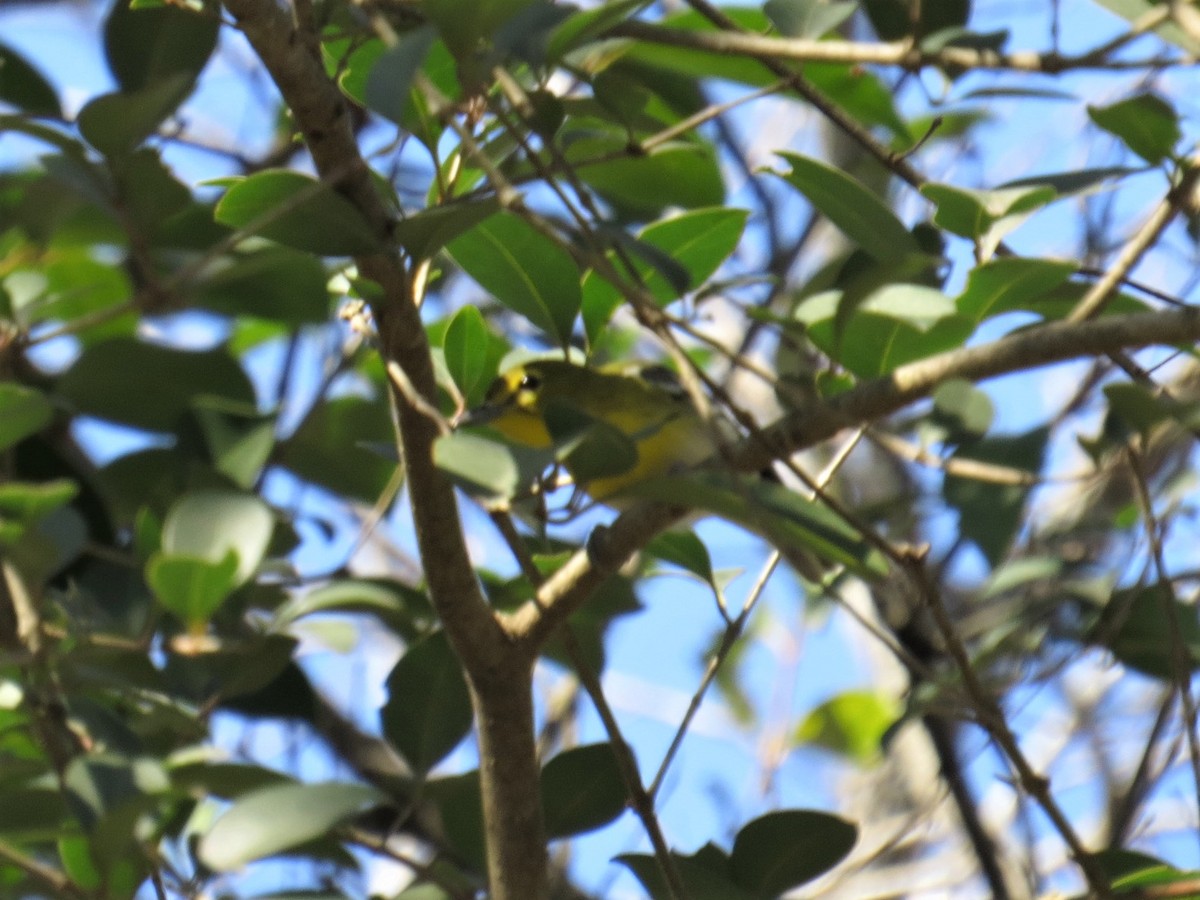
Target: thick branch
[
  {"x": 905, "y": 54},
  {"x": 500, "y": 674},
  {"x": 1055, "y": 342}
]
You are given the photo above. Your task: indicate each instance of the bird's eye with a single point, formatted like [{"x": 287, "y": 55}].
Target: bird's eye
[{"x": 531, "y": 382}]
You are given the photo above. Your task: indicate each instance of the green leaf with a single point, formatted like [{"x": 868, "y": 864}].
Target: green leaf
[
  {"x": 853, "y": 724},
  {"x": 299, "y": 211},
  {"x": 891, "y": 326},
  {"x": 426, "y": 232},
  {"x": 1146, "y": 627},
  {"x": 1079, "y": 182},
  {"x": 278, "y": 818},
  {"x": 150, "y": 386},
  {"x": 460, "y": 804},
  {"x": 493, "y": 466},
  {"x": 978, "y": 214},
  {"x": 22, "y": 85},
  {"x": 781, "y": 516},
  {"x": 526, "y": 271},
  {"x": 641, "y": 187},
  {"x": 705, "y": 875},
  {"x": 989, "y": 514},
  {"x": 393, "y": 603},
  {"x": 584, "y": 25},
  {"x": 23, "y": 411},
  {"x": 116, "y": 123},
  {"x": 462, "y": 32},
  {"x": 211, "y": 524},
  {"x": 808, "y": 18},
  {"x": 784, "y": 849},
  {"x": 191, "y": 587},
  {"x": 582, "y": 790},
  {"x": 863, "y": 95},
  {"x": 239, "y": 440},
  {"x": 684, "y": 549},
  {"x": 330, "y": 448},
  {"x": 389, "y": 83},
  {"x": 275, "y": 283},
  {"x": 1147, "y": 124},
  {"x": 144, "y": 47},
  {"x": 29, "y": 502},
  {"x": 964, "y": 410},
  {"x": 697, "y": 242},
  {"x": 428, "y": 710},
  {"x": 1010, "y": 283},
  {"x": 852, "y": 207},
  {"x": 466, "y": 347}
]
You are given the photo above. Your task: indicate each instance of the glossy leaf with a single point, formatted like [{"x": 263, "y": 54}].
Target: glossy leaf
[
  {"x": 784, "y": 849},
  {"x": 858, "y": 212},
  {"x": 642, "y": 186},
  {"x": 526, "y": 271},
  {"x": 780, "y": 515},
  {"x": 296, "y": 210},
  {"x": 1149, "y": 630},
  {"x": 275, "y": 819},
  {"x": 428, "y": 711},
  {"x": 392, "y": 602},
  {"x": 964, "y": 410}
]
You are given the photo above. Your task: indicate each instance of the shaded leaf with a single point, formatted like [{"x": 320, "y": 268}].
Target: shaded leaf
[
  {"x": 150, "y": 386},
  {"x": 582, "y": 790},
  {"x": 784, "y": 849},
  {"x": 144, "y": 47},
  {"x": 296, "y": 210},
  {"x": 116, "y": 123},
  {"x": 22, "y": 85},
  {"x": 1147, "y": 124},
  {"x": 23, "y": 411},
  {"x": 428, "y": 710}
]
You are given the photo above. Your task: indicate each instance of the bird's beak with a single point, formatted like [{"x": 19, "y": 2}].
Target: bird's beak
[{"x": 483, "y": 414}]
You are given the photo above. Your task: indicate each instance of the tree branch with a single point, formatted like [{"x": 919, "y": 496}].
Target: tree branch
[
  {"x": 905, "y": 54},
  {"x": 500, "y": 674},
  {"x": 1055, "y": 342}
]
